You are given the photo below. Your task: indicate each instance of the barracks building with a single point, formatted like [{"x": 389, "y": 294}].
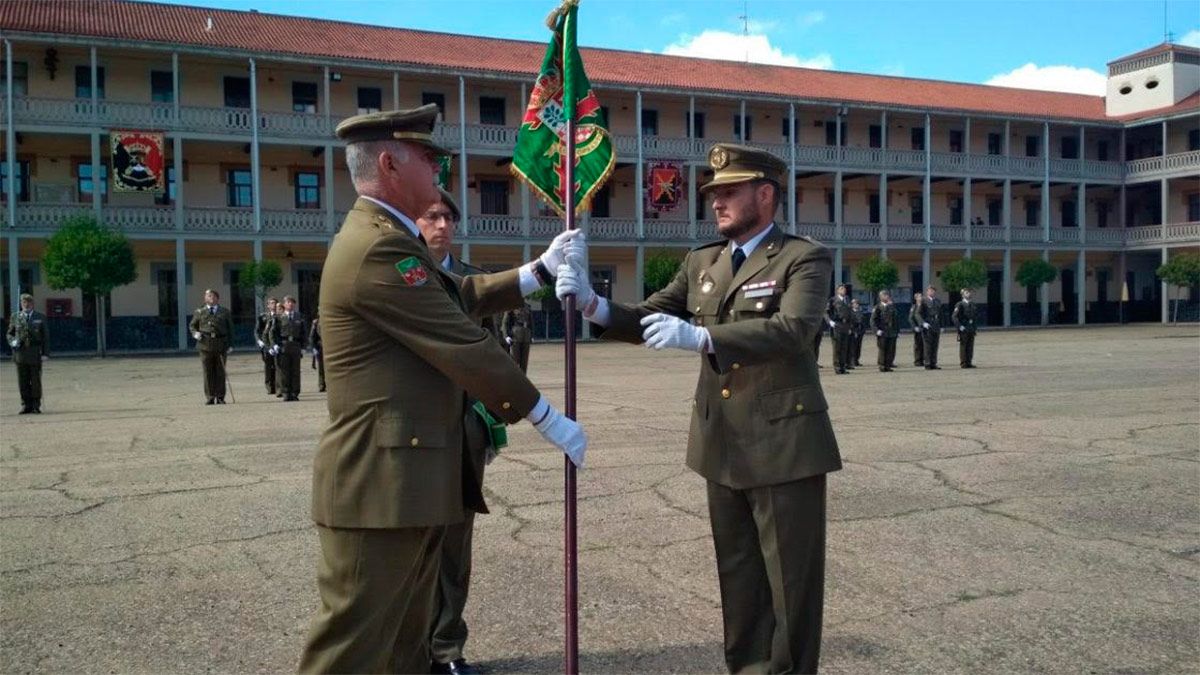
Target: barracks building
[{"x": 237, "y": 109}]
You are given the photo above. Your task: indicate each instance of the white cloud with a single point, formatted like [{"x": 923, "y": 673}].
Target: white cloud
[
  {"x": 719, "y": 44},
  {"x": 1053, "y": 78},
  {"x": 810, "y": 19},
  {"x": 1190, "y": 38}
]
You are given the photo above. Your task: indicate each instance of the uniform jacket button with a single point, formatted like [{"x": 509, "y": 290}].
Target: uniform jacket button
[
  {"x": 415, "y": 441},
  {"x": 725, "y": 393},
  {"x": 506, "y": 405},
  {"x": 736, "y": 366},
  {"x": 799, "y": 407}
]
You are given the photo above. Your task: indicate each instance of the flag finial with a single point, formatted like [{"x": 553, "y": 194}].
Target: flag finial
[{"x": 552, "y": 18}]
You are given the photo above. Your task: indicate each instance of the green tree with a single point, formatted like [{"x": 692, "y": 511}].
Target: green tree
[
  {"x": 877, "y": 274},
  {"x": 262, "y": 275},
  {"x": 965, "y": 273},
  {"x": 1033, "y": 273},
  {"x": 660, "y": 269},
  {"x": 1182, "y": 271},
  {"x": 85, "y": 254}
]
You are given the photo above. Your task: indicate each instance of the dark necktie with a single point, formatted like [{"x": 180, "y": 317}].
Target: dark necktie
[{"x": 739, "y": 257}]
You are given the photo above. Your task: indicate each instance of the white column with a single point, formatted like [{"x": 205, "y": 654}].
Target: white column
[
  {"x": 326, "y": 104},
  {"x": 1121, "y": 192},
  {"x": 10, "y": 157},
  {"x": 1006, "y": 210},
  {"x": 1081, "y": 288},
  {"x": 693, "y": 195},
  {"x": 181, "y": 294},
  {"x": 967, "y": 137},
  {"x": 838, "y": 254},
  {"x": 463, "y": 202},
  {"x": 837, "y": 205},
  {"x": 395, "y": 90},
  {"x": 14, "y": 271},
  {"x": 255, "y": 169},
  {"x": 98, "y": 182},
  {"x": 1081, "y": 212},
  {"x": 1007, "y": 146},
  {"x": 742, "y": 115},
  {"x": 691, "y": 126},
  {"x": 1045, "y": 182},
  {"x": 883, "y": 131},
  {"x": 330, "y": 216},
  {"x": 464, "y": 253},
  {"x": 638, "y": 179},
  {"x": 639, "y": 263},
  {"x": 177, "y": 161},
  {"x": 1045, "y": 291},
  {"x": 1082, "y": 144},
  {"x": 1006, "y": 287},
  {"x": 927, "y": 184},
  {"x": 175, "y": 86},
  {"x": 926, "y": 268},
  {"x": 967, "y": 206},
  {"x": 791, "y": 194},
  {"x": 257, "y": 253},
  {"x": 883, "y": 206},
  {"x": 526, "y": 222},
  {"x": 1164, "y": 138},
  {"x": 1163, "y": 206},
  {"x": 1166, "y": 302}
]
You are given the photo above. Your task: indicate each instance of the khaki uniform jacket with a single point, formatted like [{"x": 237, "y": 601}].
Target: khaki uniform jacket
[
  {"x": 31, "y": 336},
  {"x": 216, "y": 329},
  {"x": 914, "y": 317},
  {"x": 964, "y": 316},
  {"x": 262, "y": 327},
  {"x": 841, "y": 313},
  {"x": 883, "y": 317},
  {"x": 517, "y": 325},
  {"x": 290, "y": 334},
  {"x": 760, "y": 416},
  {"x": 931, "y": 313},
  {"x": 401, "y": 354}
]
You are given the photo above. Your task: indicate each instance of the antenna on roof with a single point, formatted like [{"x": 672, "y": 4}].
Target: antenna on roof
[
  {"x": 1167, "y": 35},
  {"x": 745, "y": 17}
]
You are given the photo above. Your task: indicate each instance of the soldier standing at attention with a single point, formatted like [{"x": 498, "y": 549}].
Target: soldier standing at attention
[
  {"x": 964, "y": 320},
  {"x": 517, "y": 328},
  {"x": 749, "y": 306},
  {"x": 30, "y": 346},
  {"x": 314, "y": 343},
  {"x": 403, "y": 353},
  {"x": 931, "y": 326},
  {"x": 212, "y": 329},
  {"x": 262, "y": 335},
  {"x": 914, "y": 320},
  {"x": 860, "y": 329},
  {"x": 887, "y": 328},
  {"x": 841, "y": 329},
  {"x": 288, "y": 336}
]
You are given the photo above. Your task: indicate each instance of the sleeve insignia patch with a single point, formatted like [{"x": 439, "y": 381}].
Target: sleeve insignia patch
[{"x": 412, "y": 272}]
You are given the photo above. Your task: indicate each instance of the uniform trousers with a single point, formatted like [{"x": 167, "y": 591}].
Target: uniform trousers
[
  {"x": 213, "y": 363},
  {"x": 377, "y": 591},
  {"x": 887, "y": 351},
  {"x": 29, "y": 381},
  {"x": 770, "y": 549},
  {"x": 918, "y": 349},
  {"x": 269, "y": 377},
  {"x": 931, "y": 339},
  {"x": 289, "y": 367},
  {"x": 966, "y": 348},
  {"x": 843, "y": 350},
  {"x": 449, "y": 634}
]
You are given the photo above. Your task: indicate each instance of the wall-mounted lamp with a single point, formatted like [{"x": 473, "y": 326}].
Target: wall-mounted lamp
[{"x": 335, "y": 76}]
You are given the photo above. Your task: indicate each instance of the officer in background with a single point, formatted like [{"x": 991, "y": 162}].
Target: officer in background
[
  {"x": 860, "y": 329},
  {"x": 841, "y": 329},
  {"x": 30, "y": 344},
  {"x": 518, "y": 332},
  {"x": 964, "y": 321},
  {"x": 749, "y": 306},
  {"x": 262, "y": 336},
  {"x": 288, "y": 335},
  {"x": 931, "y": 326},
  {"x": 886, "y": 324},
  {"x": 914, "y": 320},
  {"x": 318, "y": 357},
  {"x": 212, "y": 329}
]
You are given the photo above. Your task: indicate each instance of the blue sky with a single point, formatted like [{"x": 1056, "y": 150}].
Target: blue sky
[{"x": 1048, "y": 44}]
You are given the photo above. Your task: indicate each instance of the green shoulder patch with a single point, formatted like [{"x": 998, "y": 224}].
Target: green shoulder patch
[{"x": 412, "y": 271}]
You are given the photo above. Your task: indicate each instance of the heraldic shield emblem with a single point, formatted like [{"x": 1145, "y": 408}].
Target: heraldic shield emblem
[{"x": 137, "y": 161}]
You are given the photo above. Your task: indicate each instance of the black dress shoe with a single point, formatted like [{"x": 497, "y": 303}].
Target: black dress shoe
[
  {"x": 37, "y": 411},
  {"x": 210, "y": 402},
  {"x": 969, "y": 365},
  {"x": 25, "y": 411},
  {"x": 455, "y": 667},
  {"x": 321, "y": 388},
  {"x": 221, "y": 401}
]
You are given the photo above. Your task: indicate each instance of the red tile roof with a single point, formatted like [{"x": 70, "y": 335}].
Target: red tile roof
[
  {"x": 1188, "y": 104},
  {"x": 304, "y": 37},
  {"x": 1157, "y": 49}
]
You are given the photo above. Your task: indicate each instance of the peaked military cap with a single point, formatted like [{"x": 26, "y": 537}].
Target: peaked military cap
[
  {"x": 733, "y": 163},
  {"x": 414, "y": 125},
  {"x": 448, "y": 200}
]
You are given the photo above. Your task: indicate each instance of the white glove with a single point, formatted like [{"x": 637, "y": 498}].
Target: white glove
[
  {"x": 45, "y": 357},
  {"x": 508, "y": 341},
  {"x": 961, "y": 328},
  {"x": 572, "y": 279},
  {"x": 316, "y": 352},
  {"x": 261, "y": 344},
  {"x": 274, "y": 350},
  {"x": 229, "y": 351},
  {"x": 14, "y": 343},
  {"x": 833, "y": 324},
  {"x": 925, "y": 325},
  {"x": 556, "y": 254},
  {"x": 565, "y": 433},
  {"x": 196, "y": 335},
  {"x": 879, "y": 333},
  {"x": 665, "y": 331}
]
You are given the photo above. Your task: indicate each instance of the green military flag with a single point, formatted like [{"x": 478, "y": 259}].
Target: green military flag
[
  {"x": 562, "y": 92},
  {"x": 442, "y": 179}
]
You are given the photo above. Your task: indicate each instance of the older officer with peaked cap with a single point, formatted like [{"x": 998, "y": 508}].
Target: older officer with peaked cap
[
  {"x": 402, "y": 354},
  {"x": 750, "y": 305}
]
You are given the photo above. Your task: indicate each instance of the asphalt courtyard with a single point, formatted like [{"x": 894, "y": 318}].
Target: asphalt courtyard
[{"x": 1038, "y": 514}]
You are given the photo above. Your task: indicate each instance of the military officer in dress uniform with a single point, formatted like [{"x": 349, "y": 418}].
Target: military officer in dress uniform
[
  {"x": 402, "y": 354},
  {"x": 517, "y": 328},
  {"x": 750, "y": 306},
  {"x": 212, "y": 329},
  {"x": 262, "y": 336},
  {"x": 30, "y": 346},
  {"x": 931, "y": 326},
  {"x": 288, "y": 337},
  {"x": 860, "y": 329},
  {"x": 841, "y": 329},
  {"x": 914, "y": 320},
  {"x": 886, "y": 324},
  {"x": 314, "y": 343},
  {"x": 964, "y": 321}
]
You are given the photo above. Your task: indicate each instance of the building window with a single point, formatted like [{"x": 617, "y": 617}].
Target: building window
[
  {"x": 493, "y": 197},
  {"x": 20, "y": 78},
  {"x": 956, "y": 211},
  {"x": 1068, "y": 213},
  {"x": 1193, "y": 140},
  {"x": 649, "y": 122},
  {"x": 831, "y": 133},
  {"x": 1033, "y": 209},
  {"x": 1102, "y": 151},
  {"x": 167, "y": 197},
  {"x": 697, "y": 124},
  {"x": 830, "y": 211},
  {"x": 168, "y": 295},
  {"x": 956, "y": 140},
  {"x": 875, "y": 136},
  {"x": 83, "y": 81},
  {"x": 600, "y": 202},
  {"x": 1193, "y": 202},
  {"x": 239, "y": 187},
  {"x": 791, "y": 135},
  {"x": 995, "y": 146},
  {"x": 873, "y": 207},
  {"x": 83, "y": 181},
  {"x": 1031, "y": 146},
  {"x": 737, "y": 128},
  {"x": 22, "y": 175},
  {"x": 604, "y": 116},
  {"x": 308, "y": 190},
  {"x": 370, "y": 99},
  {"x": 916, "y": 205},
  {"x": 995, "y": 210},
  {"x": 491, "y": 110},
  {"x": 162, "y": 86},
  {"x": 237, "y": 92},
  {"x": 435, "y": 98},
  {"x": 1070, "y": 147},
  {"x": 304, "y": 97},
  {"x": 1102, "y": 213},
  {"x": 917, "y": 136}
]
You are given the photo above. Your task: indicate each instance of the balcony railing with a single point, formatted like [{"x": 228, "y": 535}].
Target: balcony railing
[
  {"x": 906, "y": 233},
  {"x": 1157, "y": 167},
  {"x": 987, "y": 233},
  {"x": 861, "y": 232},
  {"x": 1026, "y": 234}
]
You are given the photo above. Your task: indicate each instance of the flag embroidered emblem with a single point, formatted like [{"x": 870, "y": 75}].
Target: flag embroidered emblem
[{"x": 412, "y": 272}]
